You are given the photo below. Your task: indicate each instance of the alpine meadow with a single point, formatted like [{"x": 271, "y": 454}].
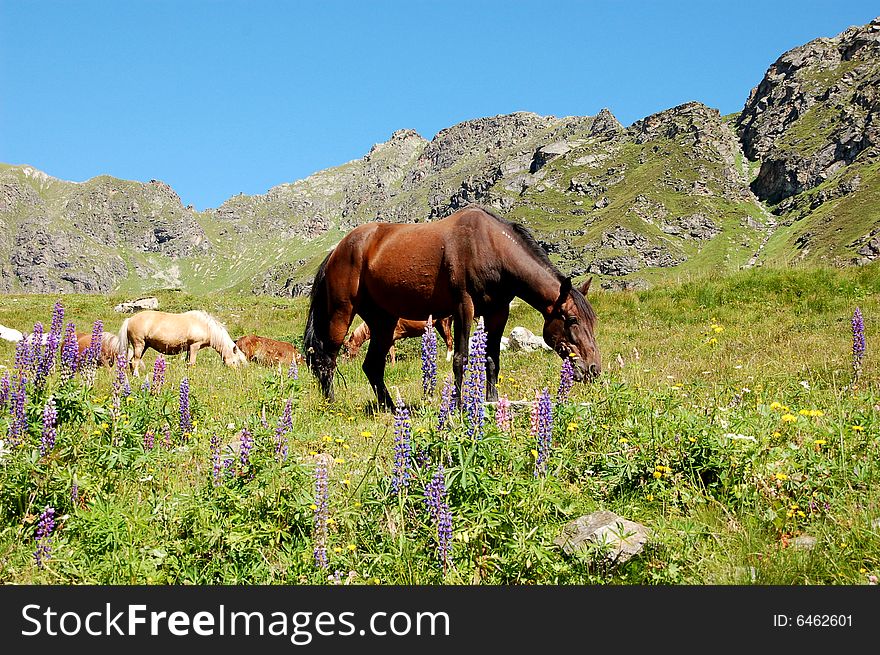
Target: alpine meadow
[{"x": 732, "y": 436}]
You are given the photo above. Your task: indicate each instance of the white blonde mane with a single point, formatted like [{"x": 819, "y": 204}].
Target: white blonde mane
[{"x": 220, "y": 339}]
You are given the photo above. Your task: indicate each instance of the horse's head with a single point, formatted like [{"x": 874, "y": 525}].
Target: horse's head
[
  {"x": 569, "y": 331},
  {"x": 234, "y": 356}
]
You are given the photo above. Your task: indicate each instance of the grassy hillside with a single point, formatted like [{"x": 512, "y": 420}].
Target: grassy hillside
[{"x": 724, "y": 420}]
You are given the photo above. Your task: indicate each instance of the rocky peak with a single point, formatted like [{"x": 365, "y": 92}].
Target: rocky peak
[
  {"x": 605, "y": 123},
  {"x": 814, "y": 112}
]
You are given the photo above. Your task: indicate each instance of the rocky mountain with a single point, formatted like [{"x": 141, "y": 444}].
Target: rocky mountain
[
  {"x": 793, "y": 177},
  {"x": 813, "y": 123}
]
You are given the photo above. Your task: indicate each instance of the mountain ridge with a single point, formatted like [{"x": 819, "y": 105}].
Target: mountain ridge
[{"x": 794, "y": 177}]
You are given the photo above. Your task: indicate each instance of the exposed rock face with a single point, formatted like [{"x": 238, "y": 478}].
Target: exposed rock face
[{"x": 815, "y": 111}]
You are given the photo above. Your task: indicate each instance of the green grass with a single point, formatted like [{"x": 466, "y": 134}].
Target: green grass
[{"x": 655, "y": 439}]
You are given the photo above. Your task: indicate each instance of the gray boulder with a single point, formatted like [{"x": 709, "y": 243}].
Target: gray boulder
[
  {"x": 619, "y": 539},
  {"x": 524, "y": 340},
  {"x": 133, "y": 306}
]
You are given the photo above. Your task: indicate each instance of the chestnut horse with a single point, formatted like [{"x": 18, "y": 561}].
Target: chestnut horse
[
  {"x": 471, "y": 263},
  {"x": 268, "y": 352},
  {"x": 171, "y": 334},
  {"x": 109, "y": 346},
  {"x": 404, "y": 330}
]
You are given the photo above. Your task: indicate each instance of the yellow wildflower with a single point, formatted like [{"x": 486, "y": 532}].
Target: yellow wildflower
[
  {"x": 788, "y": 418},
  {"x": 781, "y": 476},
  {"x": 352, "y": 547},
  {"x": 658, "y": 474},
  {"x": 534, "y": 453},
  {"x": 313, "y": 506},
  {"x": 820, "y": 442},
  {"x": 337, "y": 549},
  {"x": 366, "y": 433},
  {"x": 775, "y": 404},
  {"x": 857, "y": 428},
  {"x": 339, "y": 460}
]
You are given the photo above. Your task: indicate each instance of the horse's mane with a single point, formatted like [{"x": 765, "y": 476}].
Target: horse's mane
[
  {"x": 534, "y": 248},
  {"x": 527, "y": 240},
  {"x": 220, "y": 339}
]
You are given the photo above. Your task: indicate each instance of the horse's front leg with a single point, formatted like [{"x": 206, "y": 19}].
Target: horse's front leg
[
  {"x": 495, "y": 324},
  {"x": 193, "y": 351},
  {"x": 381, "y": 340}
]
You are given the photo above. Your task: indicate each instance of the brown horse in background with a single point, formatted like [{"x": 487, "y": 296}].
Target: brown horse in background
[
  {"x": 404, "y": 330},
  {"x": 109, "y": 346},
  {"x": 172, "y": 334},
  {"x": 472, "y": 263},
  {"x": 268, "y": 352}
]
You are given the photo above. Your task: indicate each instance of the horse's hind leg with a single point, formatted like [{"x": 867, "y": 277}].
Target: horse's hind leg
[
  {"x": 137, "y": 352},
  {"x": 381, "y": 340},
  {"x": 336, "y": 331}
]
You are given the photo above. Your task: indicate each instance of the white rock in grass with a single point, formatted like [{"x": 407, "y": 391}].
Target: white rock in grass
[
  {"x": 803, "y": 542},
  {"x": 620, "y": 538}
]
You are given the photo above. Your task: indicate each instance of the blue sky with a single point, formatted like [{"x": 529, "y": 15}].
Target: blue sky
[{"x": 217, "y": 97}]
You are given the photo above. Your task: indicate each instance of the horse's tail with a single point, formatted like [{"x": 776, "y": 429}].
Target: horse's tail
[
  {"x": 317, "y": 333},
  {"x": 122, "y": 340}
]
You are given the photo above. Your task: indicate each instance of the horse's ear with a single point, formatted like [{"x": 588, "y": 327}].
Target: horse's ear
[{"x": 585, "y": 287}]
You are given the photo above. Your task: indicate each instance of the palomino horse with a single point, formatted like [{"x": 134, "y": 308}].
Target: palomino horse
[
  {"x": 472, "y": 263},
  {"x": 109, "y": 346},
  {"x": 176, "y": 333},
  {"x": 404, "y": 329},
  {"x": 268, "y": 352}
]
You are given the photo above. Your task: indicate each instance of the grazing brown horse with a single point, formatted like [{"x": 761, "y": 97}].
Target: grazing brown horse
[
  {"x": 109, "y": 346},
  {"x": 171, "y": 334},
  {"x": 268, "y": 352},
  {"x": 404, "y": 330},
  {"x": 472, "y": 263}
]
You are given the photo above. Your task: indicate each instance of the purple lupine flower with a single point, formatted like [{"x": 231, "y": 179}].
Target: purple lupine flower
[
  {"x": 285, "y": 425},
  {"x": 149, "y": 440},
  {"x": 429, "y": 359},
  {"x": 88, "y": 358},
  {"x": 158, "y": 374},
  {"x": 438, "y": 509},
  {"x": 423, "y": 456},
  {"x": 858, "y": 342},
  {"x": 402, "y": 447},
  {"x": 215, "y": 460},
  {"x": 542, "y": 429},
  {"x": 22, "y": 354},
  {"x": 186, "y": 426},
  {"x": 69, "y": 353},
  {"x": 54, "y": 338},
  {"x": 50, "y": 419},
  {"x": 447, "y": 402},
  {"x": 502, "y": 414},
  {"x": 18, "y": 428},
  {"x": 34, "y": 358},
  {"x": 293, "y": 370},
  {"x": 4, "y": 391},
  {"x": 322, "y": 513},
  {"x": 122, "y": 377},
  {"x": 566, "y": 381},
  {"x": 43, "y": 536},
  {"x": 74, "y": 493},
  {"x": 166, "y": 437},
  {"x": 474, "y": 391},
  {"x": 246, "y": 444}
]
